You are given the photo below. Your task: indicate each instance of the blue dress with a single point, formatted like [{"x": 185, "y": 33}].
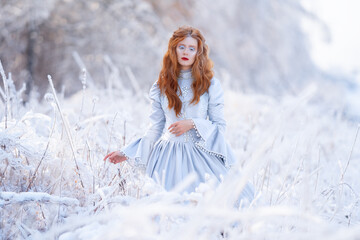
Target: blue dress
[{"x": 202, "y": 150}]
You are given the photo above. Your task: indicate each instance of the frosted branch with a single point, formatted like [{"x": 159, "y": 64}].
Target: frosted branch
[{"x": 7, "y": 198}]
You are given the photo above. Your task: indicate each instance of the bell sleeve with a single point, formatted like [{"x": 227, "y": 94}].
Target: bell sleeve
[
  {"x": 210, "y": 132},
  {"x": 140, "y": 149}
]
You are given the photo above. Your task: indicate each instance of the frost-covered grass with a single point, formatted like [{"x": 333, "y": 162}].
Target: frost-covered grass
[{"x": 301, "y": 155}]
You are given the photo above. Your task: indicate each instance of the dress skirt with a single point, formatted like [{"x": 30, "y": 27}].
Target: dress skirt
[{"x": 171, "y": 162}]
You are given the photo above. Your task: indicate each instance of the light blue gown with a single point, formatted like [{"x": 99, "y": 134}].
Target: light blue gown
[{"x": 202, "y": 150}]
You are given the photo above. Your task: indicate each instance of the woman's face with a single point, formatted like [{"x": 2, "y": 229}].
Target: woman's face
[{"x": 186, "y": 51}]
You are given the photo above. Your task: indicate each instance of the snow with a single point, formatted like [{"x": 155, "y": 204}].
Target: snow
[{"x": 301, "y": 155}]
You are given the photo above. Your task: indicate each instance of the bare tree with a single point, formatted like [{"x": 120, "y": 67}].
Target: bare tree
[{"x": 259, "y": 44}]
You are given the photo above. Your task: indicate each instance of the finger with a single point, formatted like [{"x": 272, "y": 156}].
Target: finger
[
  {"x": 113, "y": 157},
  {"x": 107, "y": 156},
  {"x": 122, "y": 158},
  {"x": 113, "y": 154},
  {"x": 176, "y": 132},
  {"x": 118, "y": 160},
  {"x": 172, "y": 125}
]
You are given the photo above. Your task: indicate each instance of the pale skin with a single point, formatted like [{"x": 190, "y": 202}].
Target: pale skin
[{"x": 186, "y": 52}]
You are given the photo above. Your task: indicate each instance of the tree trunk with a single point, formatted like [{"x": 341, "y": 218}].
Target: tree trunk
[{"x": 30, "y": 60}]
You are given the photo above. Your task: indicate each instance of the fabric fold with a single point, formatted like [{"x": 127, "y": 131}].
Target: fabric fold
[
  {"x": 212, "y": 140},
  {"x": 139, "y": 150},
  {"x": 172, "y": 161}
]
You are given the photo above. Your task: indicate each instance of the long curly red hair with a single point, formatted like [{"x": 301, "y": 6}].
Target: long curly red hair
[{"x": 201, "y": 69}]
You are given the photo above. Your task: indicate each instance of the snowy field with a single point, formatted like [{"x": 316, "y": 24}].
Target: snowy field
[{"x": 302, "y": 156}]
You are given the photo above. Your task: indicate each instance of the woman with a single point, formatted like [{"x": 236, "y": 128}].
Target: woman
[{"x": 187, "y": 131}]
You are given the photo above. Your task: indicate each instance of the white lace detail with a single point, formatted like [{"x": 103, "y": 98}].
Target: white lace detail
[{"x": 201, "y": 145}]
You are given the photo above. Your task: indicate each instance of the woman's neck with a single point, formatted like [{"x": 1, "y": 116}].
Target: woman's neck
[{"x": 185, "y": 74}]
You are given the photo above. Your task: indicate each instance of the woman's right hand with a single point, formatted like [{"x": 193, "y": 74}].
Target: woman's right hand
[
  {"x": 115, "y": 157},
  {"x": 180, "y": 127}
]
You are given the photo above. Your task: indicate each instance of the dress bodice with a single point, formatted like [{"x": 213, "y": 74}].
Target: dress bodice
[{"x": 188, "y": 109}]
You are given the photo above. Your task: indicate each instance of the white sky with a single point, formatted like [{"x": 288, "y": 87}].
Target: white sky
[{"x": 343, "y": 19}]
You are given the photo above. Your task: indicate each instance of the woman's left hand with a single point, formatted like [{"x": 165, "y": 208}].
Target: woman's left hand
[{"x": 180, "y": 127}]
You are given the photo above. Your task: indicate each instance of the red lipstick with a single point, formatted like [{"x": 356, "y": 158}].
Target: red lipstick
[{"x": 184, "y": 58}]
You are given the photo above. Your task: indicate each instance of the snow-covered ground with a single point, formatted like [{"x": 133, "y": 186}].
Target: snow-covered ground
[{"x": 301, "y": 154}]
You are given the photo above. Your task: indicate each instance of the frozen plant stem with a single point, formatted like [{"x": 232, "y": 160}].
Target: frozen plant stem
[
  {"x": 83, "y": 82},
  {"x": 6, "y": 95},
  {"x": 295, "y": 182},
  {"x": 67, "y": 130},
  {"x": 133, "y": 80},
  {"x": 343, "y": 174},
  {"x": 2, "y": 72},
  {"x": 291, "y": 160},
  {"x": 124, "y": 136},
  {"x": 60, "y": 191},
  {"x": 317, "y": 174},
  {"x": 43, "y": 156},
  {"x": 352, "y": 148},
  {"x": 111, "y": 131}
]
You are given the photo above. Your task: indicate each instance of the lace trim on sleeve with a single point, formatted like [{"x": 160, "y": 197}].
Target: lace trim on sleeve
[
  {"x": 201, "y": 145},
  {"x": 133, "y": 161}
]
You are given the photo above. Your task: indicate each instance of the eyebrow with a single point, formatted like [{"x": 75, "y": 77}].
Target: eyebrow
[{"x": 188, "y": 45}]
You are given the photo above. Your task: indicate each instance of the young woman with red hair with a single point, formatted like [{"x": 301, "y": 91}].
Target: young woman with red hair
[{"x": 187, "y": 131}]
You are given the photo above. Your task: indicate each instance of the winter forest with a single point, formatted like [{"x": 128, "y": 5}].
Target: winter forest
[{"x": 75, "y": 78}]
